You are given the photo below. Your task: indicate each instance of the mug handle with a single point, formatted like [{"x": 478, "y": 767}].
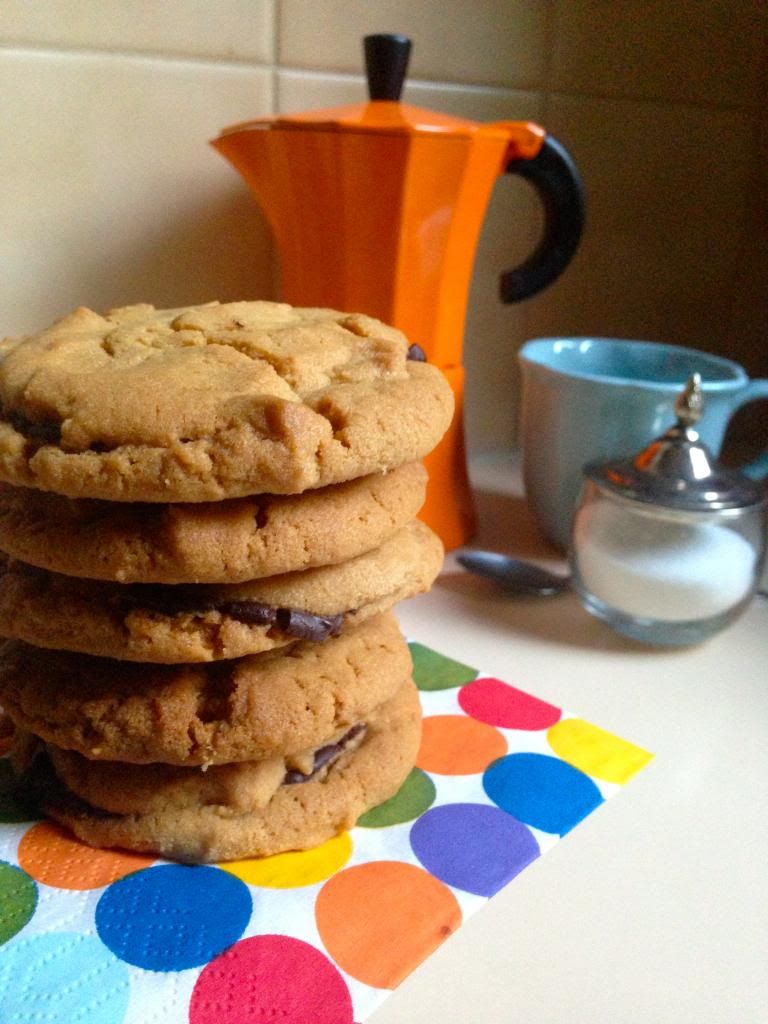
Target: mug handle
[
  {"x": 553, "y": 174},
  {"x": 757, "y": 469}
]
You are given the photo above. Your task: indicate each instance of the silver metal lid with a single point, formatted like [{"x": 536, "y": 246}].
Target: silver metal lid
[{"x": 677, "y": 470}]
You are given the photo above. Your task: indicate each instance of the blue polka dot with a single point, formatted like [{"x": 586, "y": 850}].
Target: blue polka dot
[
  {"x": 170, "y": 917},
  {"x": 542, "y": 791},
  {"x": 473, "y": 847},
  {"x": 61, "y": 977}
]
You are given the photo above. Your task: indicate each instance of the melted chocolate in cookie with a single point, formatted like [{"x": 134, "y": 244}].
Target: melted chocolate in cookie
[
  {"x": 325, "y": 756},
  {"x": 179, "y": 600},
  {"x": 40, "y": 433},
  {"x": 307, "y": 626},
  {"x": 38, "y": 786}
]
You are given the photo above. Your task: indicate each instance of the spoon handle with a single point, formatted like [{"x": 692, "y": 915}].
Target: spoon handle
[{"x": 513, "y": 575}]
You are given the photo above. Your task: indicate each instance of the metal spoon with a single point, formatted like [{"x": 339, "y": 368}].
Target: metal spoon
[{"x": 513, "y": 575}]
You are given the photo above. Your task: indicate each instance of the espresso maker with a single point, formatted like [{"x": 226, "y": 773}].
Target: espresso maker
[{"x": 376, "y": 208}]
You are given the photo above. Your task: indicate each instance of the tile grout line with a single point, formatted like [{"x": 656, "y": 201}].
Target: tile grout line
[
  {"x": 27, "y": 49},
  {"x": 274, "y": 67}
]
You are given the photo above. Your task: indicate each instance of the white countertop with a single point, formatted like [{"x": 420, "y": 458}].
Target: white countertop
[{"x": 654, "y": 910}]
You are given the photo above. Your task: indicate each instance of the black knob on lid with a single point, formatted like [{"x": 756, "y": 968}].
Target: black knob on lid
[{"x": 386, "y": 62}]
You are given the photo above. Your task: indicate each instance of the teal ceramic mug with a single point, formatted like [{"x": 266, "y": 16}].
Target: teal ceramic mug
[{"x": 592, "y": 398}]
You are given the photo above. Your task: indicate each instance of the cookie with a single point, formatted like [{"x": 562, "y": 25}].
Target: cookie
[
  {"x": 296, "y": 817},
  {"x": 213, "y": 402},
  {"x": 282, "y": 701},
  {"x": 175, "y": 624},
  {"x": 235, "y": 788},
  {"x": 211, "y": 542}
]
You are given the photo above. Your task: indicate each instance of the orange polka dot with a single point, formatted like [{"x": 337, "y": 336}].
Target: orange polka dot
[
  {"x": 380, "y": 920},
  {"x": 52, "y": 855},
  {"x": 457, "y": 745}
]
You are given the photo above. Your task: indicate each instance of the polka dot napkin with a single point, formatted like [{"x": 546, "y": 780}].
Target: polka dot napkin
[{"x": 106, "y": 937}]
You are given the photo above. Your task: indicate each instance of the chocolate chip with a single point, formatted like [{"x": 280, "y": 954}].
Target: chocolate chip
[
  {"x": 306, "y": 626},
  {"x": 42, "y": 432},
  {"x": 180, "y": 600},
  {"x": 253, "y": 613},
  {"x": 168, "y": 600},
  {"x": 261, "y": 516},
  {"x": 325, "y": 756}
]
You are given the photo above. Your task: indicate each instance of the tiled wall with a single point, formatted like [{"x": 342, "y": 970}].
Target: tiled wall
[{"x": 110, "y": 194}]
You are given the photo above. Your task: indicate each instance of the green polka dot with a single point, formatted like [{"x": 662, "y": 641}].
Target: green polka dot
[
  {"x": 18, "y": 899},
  {"x": 13, "y": 807},
  {"x": 433, "y": 671},
  {"x": 412, "y": 799}
]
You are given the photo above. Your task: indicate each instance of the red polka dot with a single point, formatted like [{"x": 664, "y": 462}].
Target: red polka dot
[
  {"x": 270, "y": 977},
  {"x": 496, "y": 703}
]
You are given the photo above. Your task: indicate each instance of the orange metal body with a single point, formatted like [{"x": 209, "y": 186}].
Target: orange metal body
[{"x": 377, "y": 208}]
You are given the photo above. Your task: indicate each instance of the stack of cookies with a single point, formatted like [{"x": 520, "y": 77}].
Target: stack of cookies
[{"x": 207, "y": 516}]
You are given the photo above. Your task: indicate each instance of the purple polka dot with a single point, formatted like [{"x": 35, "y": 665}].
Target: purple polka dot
[{"x": 473, "y": 847}]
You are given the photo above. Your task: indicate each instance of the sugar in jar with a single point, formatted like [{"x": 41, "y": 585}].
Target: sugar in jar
[{"x": 668, "y": 547}]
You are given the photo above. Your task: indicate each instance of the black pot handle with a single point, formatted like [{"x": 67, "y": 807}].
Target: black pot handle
[{"x": 553, "y": 174}]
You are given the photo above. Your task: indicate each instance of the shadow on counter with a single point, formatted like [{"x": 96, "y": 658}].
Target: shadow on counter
[{"x": 507, "y": 526}]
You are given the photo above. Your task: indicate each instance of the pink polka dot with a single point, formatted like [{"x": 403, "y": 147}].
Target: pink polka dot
[
  {"x": 270, "y": 977},
  {"x": 496, "y": 703}
]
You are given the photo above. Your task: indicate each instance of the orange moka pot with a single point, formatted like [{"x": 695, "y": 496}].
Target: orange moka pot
[{"x": 377, "y": 207}]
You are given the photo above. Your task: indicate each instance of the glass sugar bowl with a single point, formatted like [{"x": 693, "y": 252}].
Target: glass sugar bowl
[{"x": 668, "y": 547}]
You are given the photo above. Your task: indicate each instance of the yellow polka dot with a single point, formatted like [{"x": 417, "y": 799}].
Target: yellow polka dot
[
  {"x": 595, "y": 751},
  {"x": 295, "y": 869}
]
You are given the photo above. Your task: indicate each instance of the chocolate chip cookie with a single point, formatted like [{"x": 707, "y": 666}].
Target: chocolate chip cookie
[
  {"x": 209, "y": 542},
  {"x": 297, "y": 816},
  {"x": 212, "y": 402},
  {"x": 175, "y": 624},
  {"x": 280, "y": 702}
]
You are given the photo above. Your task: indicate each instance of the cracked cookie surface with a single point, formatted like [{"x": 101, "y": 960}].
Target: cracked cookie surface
[
  {"x": 200, "y": 623},
  {"x": 213, "y": 402},
  {"x": 282, "y": 701},
  {"x": 211, "y": 542}
]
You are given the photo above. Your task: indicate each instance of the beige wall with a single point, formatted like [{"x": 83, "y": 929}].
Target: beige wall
[{"x": 111, "y": 195}]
